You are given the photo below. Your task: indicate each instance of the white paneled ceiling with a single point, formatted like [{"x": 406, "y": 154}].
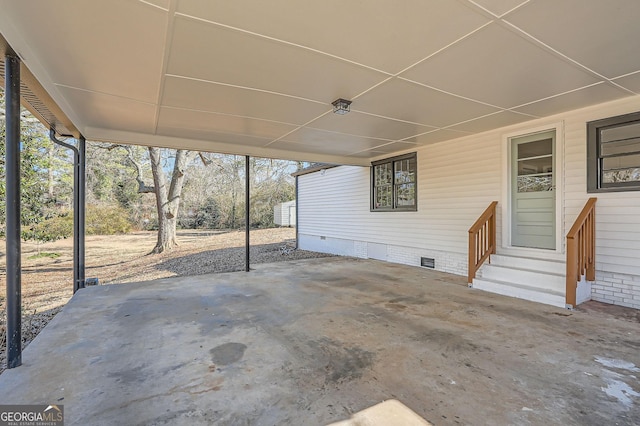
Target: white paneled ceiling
[{"x": 258, "y": 77}]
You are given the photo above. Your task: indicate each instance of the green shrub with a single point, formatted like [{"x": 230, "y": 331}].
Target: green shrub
[
  {"x": 51, "y": 229},
  {"x": 107, "y": 220}
]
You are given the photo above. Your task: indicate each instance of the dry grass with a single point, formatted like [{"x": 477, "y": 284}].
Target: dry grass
[{"x": 47, "y": 282}]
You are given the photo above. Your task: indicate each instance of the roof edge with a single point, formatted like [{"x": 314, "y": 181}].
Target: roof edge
[
  {"x": 36, "y": 99},
  {"x": 314, "y": 168}
]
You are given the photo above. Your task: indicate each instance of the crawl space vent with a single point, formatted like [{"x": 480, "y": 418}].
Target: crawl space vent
[{"x": 428, "y": 262}]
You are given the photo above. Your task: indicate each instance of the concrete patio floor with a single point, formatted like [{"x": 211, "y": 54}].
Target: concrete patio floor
[{"x": 312, "y": 342}]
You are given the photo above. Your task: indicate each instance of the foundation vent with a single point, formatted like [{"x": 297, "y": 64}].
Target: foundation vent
[{"x": 428, "y": 262}]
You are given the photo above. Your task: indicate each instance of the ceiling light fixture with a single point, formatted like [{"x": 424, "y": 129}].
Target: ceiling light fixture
[{"x": 341, "y": 106}]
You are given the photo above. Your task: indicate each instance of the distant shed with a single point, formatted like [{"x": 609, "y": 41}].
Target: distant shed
[{"x": 284, "y": 214}]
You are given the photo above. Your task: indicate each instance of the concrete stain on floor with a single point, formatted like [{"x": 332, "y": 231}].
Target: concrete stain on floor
[
  {"x": 313, "y": 342},
  {"x": 227, "y": 353}
]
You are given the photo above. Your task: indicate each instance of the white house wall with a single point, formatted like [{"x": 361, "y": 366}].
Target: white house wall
[
  {"x": 456, "y": 181},
  {"x": 617, "y": 213},
  {"x": 451, "y": 194}
]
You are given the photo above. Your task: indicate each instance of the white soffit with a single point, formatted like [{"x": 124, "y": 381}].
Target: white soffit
[
  {"x": 256, "y": 77},
  {"x": 489, "y": 60},
  {"x": 361, "y": 124},
  {"x": 631, "y": 82},
  {"x": 600, "y": 35},
  {"x": 382, "y": 34}
]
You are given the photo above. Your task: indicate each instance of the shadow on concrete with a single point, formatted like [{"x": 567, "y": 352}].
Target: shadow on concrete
[{"x": 232, "y": 259}]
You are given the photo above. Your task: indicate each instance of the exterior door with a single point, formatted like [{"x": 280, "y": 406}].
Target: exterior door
[
  {"x": 533, "y": 195},
  {"x": 292, "y": 215}
]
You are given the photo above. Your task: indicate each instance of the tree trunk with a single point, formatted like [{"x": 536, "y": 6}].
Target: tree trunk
[{"x": 168, "y": 195}]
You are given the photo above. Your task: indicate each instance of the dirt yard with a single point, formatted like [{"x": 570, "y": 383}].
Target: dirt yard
[{"x": 47, "y": 282}]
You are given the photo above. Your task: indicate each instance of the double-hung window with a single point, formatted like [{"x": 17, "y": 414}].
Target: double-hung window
[
  {"x": 613, "y": 154},
  {"x": 394, "y": 184}
]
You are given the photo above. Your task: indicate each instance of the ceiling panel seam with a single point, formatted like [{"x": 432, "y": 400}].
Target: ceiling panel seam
[
  {"x": 431, "y": 55},
  {"x": 245, "y": 88},
  {"x": 549, "y": 49},
  {"x": 562, "y": 94},
  {"x": 462, "y": 132},
  {"x": 513, "y": 9},
  {"x": 410, "y": 145},
  {"x": 371, "y": 88},
  {"x": 300, "y": 127},
  {"x": 165, "y": 61},
  {"x": 226, "y": 114},
  {"x": 390, "y": 118},
  {"x": 277, "y": 40},
  {"x": 97, "y": 92},
  {"x": 452, "y": 94},
  {"x": 153, "y": 5},
  {"x": 449, "y": 127}
]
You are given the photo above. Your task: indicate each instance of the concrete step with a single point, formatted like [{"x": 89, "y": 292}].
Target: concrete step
[
  {"x": 524, "y": 277},
  {"x": 540, "y": 265},
  {"x": 519, "y": 291}
]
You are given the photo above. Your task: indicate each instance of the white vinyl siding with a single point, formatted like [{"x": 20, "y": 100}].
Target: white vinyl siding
[
  {"x": 617, "y": 213},
  {"x": 335, "y": 204},
  {"x": 457, "y": 180},
  {"x": 284, "y": 213}
]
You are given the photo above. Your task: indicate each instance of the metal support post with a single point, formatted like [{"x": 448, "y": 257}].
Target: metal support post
[
  {"x": 12, "y": 168},
  {"x": 246, "y": 214},
  {"x": 82, "y": 192},
  {"x": 297, "y": 216}
]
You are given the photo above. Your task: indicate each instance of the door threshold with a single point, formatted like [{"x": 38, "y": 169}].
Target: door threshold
[{"x": 531, "y": 252}]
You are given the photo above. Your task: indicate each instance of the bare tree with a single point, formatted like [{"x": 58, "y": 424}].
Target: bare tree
[{"x": 168, "y": 194}]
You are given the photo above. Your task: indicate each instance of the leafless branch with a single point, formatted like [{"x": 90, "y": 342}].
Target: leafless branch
[
  {"x": 143, "y": 188},
  {"x": 206, "y": 161}
]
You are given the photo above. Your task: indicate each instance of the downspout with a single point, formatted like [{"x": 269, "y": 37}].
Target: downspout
[
  {"x": 78, "y": 208},
  {"x": 12, "y": 178}
]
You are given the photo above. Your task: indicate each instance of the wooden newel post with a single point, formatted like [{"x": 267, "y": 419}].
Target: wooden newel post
[{"x": 572, "y": 272}]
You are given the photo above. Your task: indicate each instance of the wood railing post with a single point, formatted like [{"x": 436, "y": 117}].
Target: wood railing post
[
  {"x": 591, "y": 265},
  {"x": 572, "y": 272},
  {"x": 482, "y": 240},
  {"x": 472, "y": 258},
  {"x": 581, "y": 251}
]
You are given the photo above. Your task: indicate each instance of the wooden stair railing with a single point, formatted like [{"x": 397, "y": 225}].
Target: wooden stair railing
[
  {"x": 581, "y": 251},
  {"x": 482, "y": 240}
]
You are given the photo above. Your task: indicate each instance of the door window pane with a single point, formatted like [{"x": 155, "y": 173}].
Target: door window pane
[
  {"x": 535, "y": 183},
  {"x": 535, "y": 149},
  {"x": 535, "y": 166}
]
